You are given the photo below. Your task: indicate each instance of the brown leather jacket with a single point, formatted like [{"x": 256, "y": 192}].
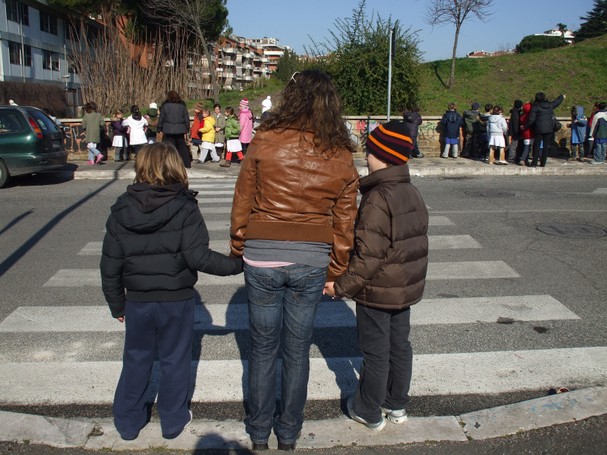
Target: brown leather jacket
[
  {"x": 390, "y": 260},
  {"x": 287, "y": 190}
]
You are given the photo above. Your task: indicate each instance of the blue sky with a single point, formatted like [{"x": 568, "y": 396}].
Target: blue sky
[{"x": 294, "y": 21}]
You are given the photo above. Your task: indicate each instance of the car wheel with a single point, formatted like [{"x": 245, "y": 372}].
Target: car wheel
[{"x": 3, "y": 174}]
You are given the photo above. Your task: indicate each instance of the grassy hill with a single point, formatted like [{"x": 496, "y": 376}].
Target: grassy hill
[{"x": 579, "y": 71}]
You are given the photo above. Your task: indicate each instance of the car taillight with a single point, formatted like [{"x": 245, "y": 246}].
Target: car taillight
[{"x": 36, "y": 128}]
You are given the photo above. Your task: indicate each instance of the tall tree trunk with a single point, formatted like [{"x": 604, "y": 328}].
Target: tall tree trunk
[
  {"x": 452, "y": 74},
  {"x": 212, "y": 75}
]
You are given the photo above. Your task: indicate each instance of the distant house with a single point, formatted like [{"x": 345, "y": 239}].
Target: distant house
[
  {"x": 567, "y": 35},
  {"x": 483, "y": 54},
  {"x": 478, "y": 54}
]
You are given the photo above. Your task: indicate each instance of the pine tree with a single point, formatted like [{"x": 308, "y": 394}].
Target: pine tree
[{"x": 595, "y": 22}]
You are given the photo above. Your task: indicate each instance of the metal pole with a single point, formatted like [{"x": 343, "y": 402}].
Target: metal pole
[{"x": 390, "y": 73}]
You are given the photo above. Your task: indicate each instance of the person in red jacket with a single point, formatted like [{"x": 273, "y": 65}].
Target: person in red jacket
[{"x": 526, "y": 136}]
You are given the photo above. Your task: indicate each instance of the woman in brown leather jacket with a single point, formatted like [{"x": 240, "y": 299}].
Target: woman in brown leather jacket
[{"x": 292, "y": 221}]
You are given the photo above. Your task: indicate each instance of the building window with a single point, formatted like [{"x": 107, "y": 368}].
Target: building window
[
  {"x": 48, "y": 23},
  {"x": 14, "y": 51},
  {"x": 50, "y": 60},
  {"x": 17, "y": 12}
]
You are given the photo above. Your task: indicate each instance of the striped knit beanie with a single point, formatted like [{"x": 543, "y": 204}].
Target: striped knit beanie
[
  {"x": 390, "y": 143},
  {"x": 244, "y": 104}
]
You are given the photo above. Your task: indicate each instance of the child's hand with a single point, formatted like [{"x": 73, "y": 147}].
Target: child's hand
[
  {"x": 329, "y": 289},
  {"x": 120, "y": 318}
]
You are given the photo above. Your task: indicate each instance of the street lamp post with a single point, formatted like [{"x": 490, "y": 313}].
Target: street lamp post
[{"x": 390, "y": 54}]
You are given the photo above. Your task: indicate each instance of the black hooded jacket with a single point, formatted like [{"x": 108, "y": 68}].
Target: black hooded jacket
[
  {"x": 412, "y": 122},
  {"x": 155, "y": 242},
  {"x": 541, "y": 117},
  {"x": 514, "y": 125}
]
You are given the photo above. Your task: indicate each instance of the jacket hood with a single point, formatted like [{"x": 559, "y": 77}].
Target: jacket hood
[
  {"x": 527, "y": 108},
  {"x": 152, "y": 112},
  {"x": 518, "y": 104},
  {"x": 580, "y": 112},
  {"x": 451, "y": 116},
  {"x": 471, "y": 114},
  {"x": 145, "y": 208}
]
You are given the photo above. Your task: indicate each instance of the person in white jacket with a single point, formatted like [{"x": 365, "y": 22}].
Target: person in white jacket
[
  {"x": 137, "y": 125},
  {"x": 497, "y": 128}
]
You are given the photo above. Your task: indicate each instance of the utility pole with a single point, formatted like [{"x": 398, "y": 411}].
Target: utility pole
[{"x": 390, "y": 56}]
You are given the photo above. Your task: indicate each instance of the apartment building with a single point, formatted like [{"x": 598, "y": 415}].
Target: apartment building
[
  {"x": 238, "y": 61},
  {"x": 34, "y": 44}
]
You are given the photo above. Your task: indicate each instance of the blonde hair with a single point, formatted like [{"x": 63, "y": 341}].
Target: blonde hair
[{"x": 160, "y": 164}]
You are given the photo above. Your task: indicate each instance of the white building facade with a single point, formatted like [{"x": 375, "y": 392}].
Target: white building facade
[{"x": 34, "y": 44}]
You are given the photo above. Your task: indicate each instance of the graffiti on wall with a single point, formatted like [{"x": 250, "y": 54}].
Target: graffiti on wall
[
  {"x": 429, "y": 131},
  {"x": 74, "y": 139}
]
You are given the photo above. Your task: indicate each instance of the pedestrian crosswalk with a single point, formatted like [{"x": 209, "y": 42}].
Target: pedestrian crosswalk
[{"x": 58, "y": 372}]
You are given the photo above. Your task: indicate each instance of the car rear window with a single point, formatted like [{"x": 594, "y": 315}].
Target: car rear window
[
  {"x": 11, "y": 122},
  {"x": 44, "y": 122}
]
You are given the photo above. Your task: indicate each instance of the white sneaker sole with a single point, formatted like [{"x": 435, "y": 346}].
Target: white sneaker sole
[
  {"x": 394, "y": 419},
  {"x": 358, "y": 419}
]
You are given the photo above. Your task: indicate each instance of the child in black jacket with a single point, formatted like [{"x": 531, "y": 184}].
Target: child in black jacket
[{"x": 156, "y": 240}]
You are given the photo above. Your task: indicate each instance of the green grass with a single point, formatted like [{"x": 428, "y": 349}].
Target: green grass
[{"x": 579, "y": 71}]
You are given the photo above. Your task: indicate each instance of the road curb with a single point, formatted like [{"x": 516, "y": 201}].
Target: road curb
[
  {"x": 204, "y": 434},
  {"x": 426, "y": 167}
]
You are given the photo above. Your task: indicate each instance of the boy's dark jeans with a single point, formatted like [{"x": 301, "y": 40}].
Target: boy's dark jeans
[{"x": 385, "y": 377}]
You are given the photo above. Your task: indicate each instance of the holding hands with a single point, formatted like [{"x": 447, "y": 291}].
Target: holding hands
[{"x": 329, "y": 289}]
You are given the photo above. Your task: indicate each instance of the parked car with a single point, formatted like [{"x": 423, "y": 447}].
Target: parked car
[{"x": 30, "y": 142}]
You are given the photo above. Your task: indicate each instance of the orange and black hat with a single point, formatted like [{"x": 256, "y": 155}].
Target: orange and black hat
[{"x": 389, "y": 142}]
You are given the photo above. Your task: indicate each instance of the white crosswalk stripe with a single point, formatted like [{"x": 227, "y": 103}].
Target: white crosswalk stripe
[
  {"x": 436, "y": 271},
  {"x": 222, "y": 317},
  {"x": 93, "y": 382},
  {"x": 330, "y": 378}
]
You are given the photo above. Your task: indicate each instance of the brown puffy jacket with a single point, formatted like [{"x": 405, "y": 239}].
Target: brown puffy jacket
[
  {"x": 287, "y": 190},
  {"x": 390, "y": 258}
]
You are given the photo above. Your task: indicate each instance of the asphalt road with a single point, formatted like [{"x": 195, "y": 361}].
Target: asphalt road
[{"x": 46, "y": 221}]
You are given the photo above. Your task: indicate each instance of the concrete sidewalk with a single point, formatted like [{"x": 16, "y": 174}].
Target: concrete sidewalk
[
  {"x": 420, "y": 167},
  {"x": 316, "y": 434}
]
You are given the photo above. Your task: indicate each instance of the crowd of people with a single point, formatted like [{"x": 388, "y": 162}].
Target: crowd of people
[
  {"x": 526, "y": 136},
  {"x": 296, "y": 239},
  {"x": 212, "y": 135}
]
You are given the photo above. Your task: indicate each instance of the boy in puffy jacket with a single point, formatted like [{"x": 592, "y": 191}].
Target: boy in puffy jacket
[{"x": 385, "y": 276}]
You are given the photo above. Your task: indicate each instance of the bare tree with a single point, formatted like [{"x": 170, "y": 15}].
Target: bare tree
[
  {"x": 113, "y": 75},
  {"x": 197, "y": 18},
  {"x": 456, "y": 12}
]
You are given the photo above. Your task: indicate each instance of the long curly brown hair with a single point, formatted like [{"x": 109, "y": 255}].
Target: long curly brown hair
[{"x": 310, "y": 102}]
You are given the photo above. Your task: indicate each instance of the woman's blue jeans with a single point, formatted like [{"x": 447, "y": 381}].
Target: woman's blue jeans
[{"x": 282, "y": 308}]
